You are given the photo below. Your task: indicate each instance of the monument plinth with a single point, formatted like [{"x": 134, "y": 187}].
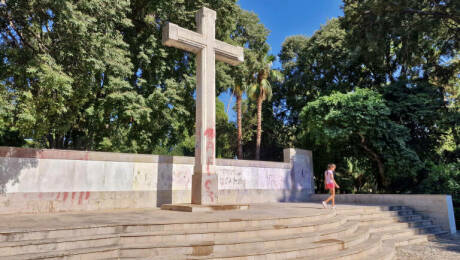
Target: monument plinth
[{"x": 207, "y": 50}]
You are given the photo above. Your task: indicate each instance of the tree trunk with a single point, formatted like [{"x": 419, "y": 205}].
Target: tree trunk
[
  {"x": 376, "y": 158},
  {"x": 259, "y": 124},
  {"x": 240, "y": 127}
]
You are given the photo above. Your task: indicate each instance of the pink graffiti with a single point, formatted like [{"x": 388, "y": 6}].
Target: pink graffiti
[
  {"x": 210, "y": 134},
  {"x": 80, "y": 198},
  {"x": 208, "y": 190},
  {"x": 66, "y": 194}
]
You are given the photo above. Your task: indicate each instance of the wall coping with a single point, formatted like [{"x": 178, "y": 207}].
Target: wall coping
[{"x": 31, "y": 153}]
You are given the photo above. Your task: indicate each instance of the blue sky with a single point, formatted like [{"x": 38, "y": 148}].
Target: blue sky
[{"x": 286, "y": 18}]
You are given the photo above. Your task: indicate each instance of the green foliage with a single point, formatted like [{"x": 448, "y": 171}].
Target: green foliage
[
  {"x": 225, "y": 133},
  {"x": 375, "y": 91},
  {"x": 261, "y": 90},
  {"x": 406, "y": 52},
  {"x": 253, "y": 35},
  {"x": 405, "y": 39},
  {"x": 443, "y": 178},
  {"x": 65, "y": 65},
  {"x": 360, "y": 121},
  {"x": 418, "y": 106},
  {"x": 94, "y": 74},
  {"x": 317, "y": 66}
]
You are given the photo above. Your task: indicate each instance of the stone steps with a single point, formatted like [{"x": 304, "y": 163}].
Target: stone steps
[
  {"x": 154, "y": 227},
  {"x": 57, "y": 244},
  {"x": 95, "y": 253},
  {"x": 229, "y": 232},
  {"x": 241, "y": 244},
  {"x": 346, "y": 233}
]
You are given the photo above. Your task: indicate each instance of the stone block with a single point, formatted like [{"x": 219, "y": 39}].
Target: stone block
[
  {"x": 118, "y": 176},
  {"x": 182, "y": 177},
  {"x": 233, "y": 178},
  {"x": 165, "y": 175},
  {"x": 56, "y": 175},
  {"x": 205, "y": 188},
  {"x": 145, "y": 176},
  {"x": 95, "y": 175},
  {"x": 18, "y": 174}
]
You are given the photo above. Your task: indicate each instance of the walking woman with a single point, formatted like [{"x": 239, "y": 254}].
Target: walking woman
[{"x": 330, "y": 184}]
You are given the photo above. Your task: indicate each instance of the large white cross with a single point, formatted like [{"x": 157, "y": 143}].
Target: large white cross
[{"x": 207, "y": 50}]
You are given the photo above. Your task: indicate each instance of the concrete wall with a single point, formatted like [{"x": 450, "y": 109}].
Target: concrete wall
[
  {"x": 438, "y": 207},
  {"x": 34, "y": 180}
]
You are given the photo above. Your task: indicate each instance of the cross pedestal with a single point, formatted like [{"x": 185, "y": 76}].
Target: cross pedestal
[{"x": 207, "y": 50}]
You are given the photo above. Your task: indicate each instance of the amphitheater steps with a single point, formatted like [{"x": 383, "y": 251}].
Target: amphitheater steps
[
  {"x": 347, "y": 233},
  {"x": 225, "y": 233},
  {"x": 241, "y": 244},
  {"x": 355, "y": 248},
  {"x": 56, "y": 244},
  {"x": 96, "y": 253}
]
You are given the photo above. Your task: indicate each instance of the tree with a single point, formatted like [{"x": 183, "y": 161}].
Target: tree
[
  {"x": 252, "y": 34},
  {"x": 65, "y": 64},
  {"x": 262, "y": 90},
  {"x": 405, "y": 40},
  {"x": 94, "y": 75},
  {"x": 225, "y": 145},
  {"x": 360, "y": 121},
  {"x": 407, "y": 51},
  {"x": 166, "y": 76},
  {"x": 316, "y": 66}
]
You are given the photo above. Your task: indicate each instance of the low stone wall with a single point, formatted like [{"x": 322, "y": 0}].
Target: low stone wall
[
  {"x": 34, "y": 180},
  {"x": 438, "y": 207}
]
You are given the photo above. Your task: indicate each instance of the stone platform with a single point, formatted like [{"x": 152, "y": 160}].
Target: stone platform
[
  {"x": 203, "y": 208},
  {"x": 264, "y": 231}
]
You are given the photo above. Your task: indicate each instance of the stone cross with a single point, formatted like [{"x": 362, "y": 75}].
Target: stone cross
[{"x": 207, "y": 50}]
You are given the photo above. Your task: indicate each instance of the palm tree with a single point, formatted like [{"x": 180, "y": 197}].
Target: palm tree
[
  {"x": 238, "y": 91},
  {"x": 261, "y": 90}
]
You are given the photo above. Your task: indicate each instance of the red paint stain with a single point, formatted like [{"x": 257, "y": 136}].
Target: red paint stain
[
  {"x": 58, "y": 196},
  {"x": 66, "y": 195},
  {"x": 210, "y": 134},
  {"x": 80, "y": 198},
  {"x": 87, "y": 195},
  {"x": 210, "y": 193},
  {"x": 40, "y": 195},
  {"x": 73, "y": 195}
]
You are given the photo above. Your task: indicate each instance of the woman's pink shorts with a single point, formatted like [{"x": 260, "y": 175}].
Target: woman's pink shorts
[{"x": 330, "y": 186}]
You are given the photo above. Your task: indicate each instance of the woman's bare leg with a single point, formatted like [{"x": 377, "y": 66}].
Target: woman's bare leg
[
  {"x": 333, "y": 197},
  {"x": 330, "y": 197}
]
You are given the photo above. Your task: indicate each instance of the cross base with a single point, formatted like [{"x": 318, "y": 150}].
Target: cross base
[
  {"x": 204, "y": 189},
  {"x": 203, "y": 208}
]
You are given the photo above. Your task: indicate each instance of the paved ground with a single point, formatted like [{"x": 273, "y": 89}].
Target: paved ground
[
  {"x": 446, "y": 248},
  {"x": 27, "y": 222}
]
